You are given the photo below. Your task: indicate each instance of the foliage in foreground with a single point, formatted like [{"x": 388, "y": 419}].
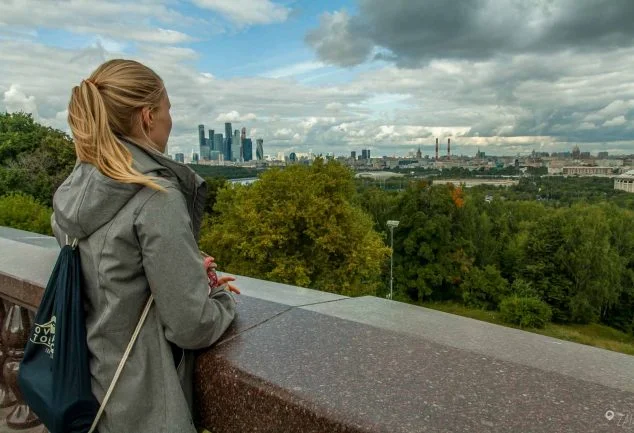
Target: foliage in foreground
[{"x": 23, "y": 212}]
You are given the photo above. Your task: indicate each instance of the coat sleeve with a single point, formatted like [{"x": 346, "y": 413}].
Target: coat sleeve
[{"x": 174, "y": 270}]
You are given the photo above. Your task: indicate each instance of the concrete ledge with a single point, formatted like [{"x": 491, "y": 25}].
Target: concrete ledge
[
  {"x": 593, "y": 364},
  {"x": 300, "y": 360}
]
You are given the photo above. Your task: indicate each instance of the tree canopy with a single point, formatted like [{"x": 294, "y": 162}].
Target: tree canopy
[
  {"x": 34, "y": 159},
  {"x": 298, "y": 226}
]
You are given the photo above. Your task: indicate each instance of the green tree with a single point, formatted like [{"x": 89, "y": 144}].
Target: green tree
[
  {"x": 214, "y": 184},
  {"x": 430, "y": 256},
  {"x": 484, "y": 288},
  {"x": 589, "y": 261},
  {"x": 298, "y": 226},
  {"x": 34, "y": 159},
  {"x": 22, "y": 212}
]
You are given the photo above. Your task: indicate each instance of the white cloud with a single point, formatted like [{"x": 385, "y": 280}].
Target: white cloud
[
  {"x": 118, "y": 20},
  {"x": 234, "y": 116},
  {"x": 247, "y": 12},
  {"x": 16, "y": 100},
  {"x": 617, "y": 121},
  {"x": 284, "y": 134}
]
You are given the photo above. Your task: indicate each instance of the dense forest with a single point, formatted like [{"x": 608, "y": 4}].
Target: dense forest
[{"x": 549, "y": 249}]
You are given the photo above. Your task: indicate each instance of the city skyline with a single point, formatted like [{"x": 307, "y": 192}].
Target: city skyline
[
  {"x": 233, "y": 146},
  {"x": 335, "y": 76}
]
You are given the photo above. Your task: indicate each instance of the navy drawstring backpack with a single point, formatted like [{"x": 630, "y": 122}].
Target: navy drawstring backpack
[{"x": 54, "y": 375}]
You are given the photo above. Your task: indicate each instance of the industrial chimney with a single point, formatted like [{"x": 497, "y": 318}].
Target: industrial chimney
[
  {"x": 449, "y": 148},
  {"x": 436, "y": 149}
]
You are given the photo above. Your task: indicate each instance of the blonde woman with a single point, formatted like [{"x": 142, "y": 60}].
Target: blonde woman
[{"x": 137, "y": 216}]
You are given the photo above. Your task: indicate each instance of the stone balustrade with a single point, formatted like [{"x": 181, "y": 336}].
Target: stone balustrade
[{"x": 298, "y": 360}]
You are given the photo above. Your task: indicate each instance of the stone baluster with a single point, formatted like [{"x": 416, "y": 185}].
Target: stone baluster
[
  {"x": 6, "y": 395},
  {"x": 15, "y": 334}
]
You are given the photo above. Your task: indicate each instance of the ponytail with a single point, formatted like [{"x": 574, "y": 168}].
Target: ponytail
[{"x": 97, "y": 119}]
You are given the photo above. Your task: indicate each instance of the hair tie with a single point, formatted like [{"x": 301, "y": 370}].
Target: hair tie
[{"x": 90, "y": 81}]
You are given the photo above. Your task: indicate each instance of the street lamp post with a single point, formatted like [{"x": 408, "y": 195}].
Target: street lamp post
[{"x": 392, "y": 225}]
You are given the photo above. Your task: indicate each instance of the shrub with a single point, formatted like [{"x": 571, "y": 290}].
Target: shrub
[
  {"x": 484, "y": 288},
  {"x": 523, "y": 289},
  {"x": 23, "y": 212},
  {"x": 527, "y": 312}
]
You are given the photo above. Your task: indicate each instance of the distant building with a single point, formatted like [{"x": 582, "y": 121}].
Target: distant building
[
  {"x": 625, "y": 182},
  {"x": 206, "y": 151},
  {"x": 419, "y": 154},
  {"x": 364, "y": 154},
  {"x": 602, "y": 155},
  {"x": 201, "y": 135},
  {"x": 227, "y": 142},
  {"x": 212, "y": 146},
  {"x": 587, "y": 171},
  {"x": 215, "y": 155},
  {"x": 179, "y": 157},
  {"x": 195, "y": 157},
  {"x": 259, "y": 149},
  {"x": 247, "y": 145},
  {"x": 243, "y": 138},
  {"x": 353, "y": 155},
  {"x": 292, "y": 157},
  {"x": 566, "y": 154},
  {"x": 576, "y": 152},
  {"x": 203, "y": 144},
  {"x": 218, "y": 143},
  {"x": 236, "y": 146},
  {"x": 369, "y": 154}
]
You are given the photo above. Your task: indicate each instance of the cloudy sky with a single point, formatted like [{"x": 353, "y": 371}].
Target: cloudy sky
[{"x": 505, "y": 76}]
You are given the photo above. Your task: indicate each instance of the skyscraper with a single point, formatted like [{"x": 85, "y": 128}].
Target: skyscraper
[
  {"x": 201, "y": 135},
  {"x": 243, "y": 137},
  {"x": 202, "y": 142},
  {"x": 247, "y": 145},
  {"x": 259, "y": 149},
  {"x": 212, "y": 145},
  {"x": 236, "y": 146},
  {"x": 218, "y": 143},
  {"x": 227, "y": 142},
  {"x": 364, "y": 154},
  {"x": 353, "y": 154},
  {"x": 179, "y": 157}
]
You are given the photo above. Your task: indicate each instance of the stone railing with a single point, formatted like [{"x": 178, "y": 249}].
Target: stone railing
[{"x": 298, "y": 360}]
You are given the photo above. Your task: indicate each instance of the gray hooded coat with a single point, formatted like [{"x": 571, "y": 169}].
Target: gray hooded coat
[{"x": 134, "y": 241}]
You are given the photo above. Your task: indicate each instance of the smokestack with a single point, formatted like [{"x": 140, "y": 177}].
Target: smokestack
[
  {"x": 449, "y": 148},
  {"x": 436, "y": 149}
]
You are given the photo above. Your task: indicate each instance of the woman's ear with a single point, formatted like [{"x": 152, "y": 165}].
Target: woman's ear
[{"x": 147, "y": 118}]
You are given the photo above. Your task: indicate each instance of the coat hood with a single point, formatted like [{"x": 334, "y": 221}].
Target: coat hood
[{"x": 88, "y": 199}]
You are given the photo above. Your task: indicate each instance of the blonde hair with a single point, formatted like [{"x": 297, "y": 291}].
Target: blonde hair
[{"x": 106, "y": 108}]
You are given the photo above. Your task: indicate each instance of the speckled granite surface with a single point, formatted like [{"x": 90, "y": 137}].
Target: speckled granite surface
[{"x": 303, "y": 371}]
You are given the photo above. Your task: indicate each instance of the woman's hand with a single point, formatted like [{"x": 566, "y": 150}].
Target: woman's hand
[
  {"x": 210, "y": 267},
  {"x": 230, "y": 287}
]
